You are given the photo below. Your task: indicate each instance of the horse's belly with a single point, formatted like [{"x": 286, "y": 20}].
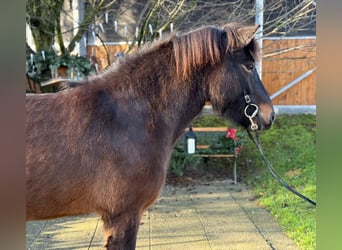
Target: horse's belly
[
  {"x": 39, "y": 207},
  {"x": 82, "y": 185},
  {"x": 48, "y": 198}
]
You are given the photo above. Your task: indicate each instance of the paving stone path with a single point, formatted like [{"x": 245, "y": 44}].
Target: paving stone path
[{"x": 214, "y": 215}]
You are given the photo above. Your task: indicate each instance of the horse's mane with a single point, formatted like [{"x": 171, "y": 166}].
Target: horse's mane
[{"x": 193, "y": 50}]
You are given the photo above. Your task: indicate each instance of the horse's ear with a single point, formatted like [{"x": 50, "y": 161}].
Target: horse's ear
[
  {"x": 246, "y": 33},
  {"x": 223, "y": 41}
]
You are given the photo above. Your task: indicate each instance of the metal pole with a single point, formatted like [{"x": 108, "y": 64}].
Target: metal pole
[{"x": 259, "y": 19}]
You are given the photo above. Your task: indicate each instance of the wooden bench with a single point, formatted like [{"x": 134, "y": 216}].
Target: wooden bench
[{"x": 211, "y": 132}]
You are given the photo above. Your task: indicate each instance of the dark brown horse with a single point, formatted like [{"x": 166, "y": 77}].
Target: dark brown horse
[{"x": 105, "y": 146}]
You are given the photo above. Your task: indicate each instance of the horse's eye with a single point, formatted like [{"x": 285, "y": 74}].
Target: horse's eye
[{"x": 249, "y": 66}]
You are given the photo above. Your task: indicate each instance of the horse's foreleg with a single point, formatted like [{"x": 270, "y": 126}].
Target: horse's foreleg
[{"x": 121, "y": 230}]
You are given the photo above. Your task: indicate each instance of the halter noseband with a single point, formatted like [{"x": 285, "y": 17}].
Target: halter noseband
[{"x": 249, "y": 113}]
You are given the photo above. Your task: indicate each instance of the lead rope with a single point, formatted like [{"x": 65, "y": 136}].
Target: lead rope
[
  {"x": 274, "y": 173},
  {"x": 250, "y": 115}
]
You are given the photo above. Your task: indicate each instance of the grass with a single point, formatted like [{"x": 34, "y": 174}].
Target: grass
[{"x": 290, "y": 145}]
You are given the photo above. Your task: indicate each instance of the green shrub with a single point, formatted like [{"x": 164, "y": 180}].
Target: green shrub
[
  {"x": 217, "y": 141},
  {"x": 181, "y": 161}
]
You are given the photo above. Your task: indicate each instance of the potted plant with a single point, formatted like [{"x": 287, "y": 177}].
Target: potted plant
[{"x": 43, "y": 66}]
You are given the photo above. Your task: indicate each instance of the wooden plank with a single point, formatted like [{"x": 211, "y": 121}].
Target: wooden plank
[
  {"x": 215, "y": 155},
  {"x": 54, "y": 81},
  {"x": 208, "y": 129}
]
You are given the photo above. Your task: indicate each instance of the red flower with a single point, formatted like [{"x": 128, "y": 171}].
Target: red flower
[{"x": 231, "y": 133}]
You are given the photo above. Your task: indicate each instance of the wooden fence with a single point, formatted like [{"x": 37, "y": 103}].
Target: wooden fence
[{"x": 284, "y": 60}]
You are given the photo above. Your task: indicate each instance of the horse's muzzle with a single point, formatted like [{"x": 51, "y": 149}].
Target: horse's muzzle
[{"x": 267, "y": 124}]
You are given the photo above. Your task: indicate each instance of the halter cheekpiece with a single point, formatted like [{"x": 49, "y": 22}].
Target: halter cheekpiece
[{"x": 250, "y": 111}]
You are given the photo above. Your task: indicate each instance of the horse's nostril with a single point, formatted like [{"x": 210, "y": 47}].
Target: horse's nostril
[{"x": 273, "y": 117}]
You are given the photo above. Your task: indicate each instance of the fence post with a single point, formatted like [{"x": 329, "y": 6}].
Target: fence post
[{"x": 259, "y": 19}]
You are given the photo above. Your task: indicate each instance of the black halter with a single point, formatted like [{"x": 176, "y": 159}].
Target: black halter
[{"x": 251, "y": 110}]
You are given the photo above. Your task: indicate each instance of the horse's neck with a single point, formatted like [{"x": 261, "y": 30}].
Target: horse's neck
[
  {"x": 174, "y": 104},
  {"x": 184, "y": 111}
]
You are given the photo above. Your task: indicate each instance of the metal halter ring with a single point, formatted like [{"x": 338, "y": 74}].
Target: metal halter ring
[
  {"x": 247, "y": 99},
  {"x": 254, "y": 126}
]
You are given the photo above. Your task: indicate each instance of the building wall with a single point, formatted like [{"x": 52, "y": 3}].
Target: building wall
[{"x": 102, "y": 53}]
